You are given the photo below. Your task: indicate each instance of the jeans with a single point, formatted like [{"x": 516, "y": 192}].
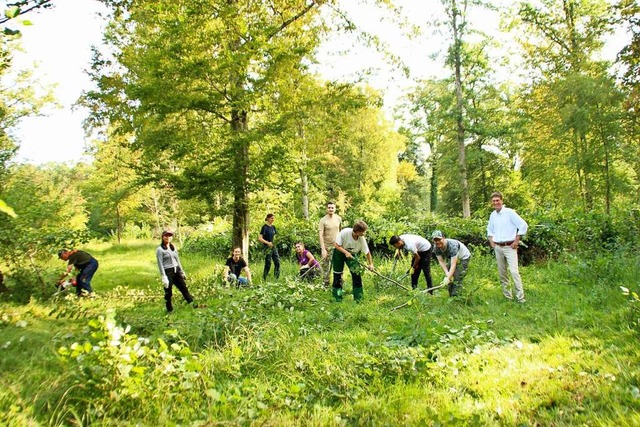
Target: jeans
[{"x": 83, "y": 279}]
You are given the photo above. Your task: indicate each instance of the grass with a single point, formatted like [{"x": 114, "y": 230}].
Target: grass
[{"x": 282, "y": 353}]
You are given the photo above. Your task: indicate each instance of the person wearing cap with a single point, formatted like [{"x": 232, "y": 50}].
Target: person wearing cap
[
  {"x": 86, "y": 265},
  {"x": 457, "y": 261},
  {"x": 234, "y": 267},
  {"x": 421, "y": 261},
  {"x": 171, "y": 271},
  {"x": 348, "y": 244},
  {"x": 504, "y": 231},
  {"x": 266, "y": 236}
]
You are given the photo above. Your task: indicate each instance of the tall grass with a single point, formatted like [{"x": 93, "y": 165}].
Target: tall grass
[{"x": 282, "y": 353}]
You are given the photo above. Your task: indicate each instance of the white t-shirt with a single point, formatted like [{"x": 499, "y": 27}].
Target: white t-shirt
[
  {"x": 345, "y": 239},
  {"x": 414, "y": 243}
]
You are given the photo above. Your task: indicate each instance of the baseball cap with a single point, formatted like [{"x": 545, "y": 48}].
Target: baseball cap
[
  {"x": 437, "y": 235},
  {"x": 167, "y": 233}
]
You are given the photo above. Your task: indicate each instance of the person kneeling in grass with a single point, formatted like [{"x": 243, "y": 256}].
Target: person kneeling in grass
[
  {"x": 350, "y": 242},
  {"x": 234, "y": 267},
  {"x": 309, "y": 266},
  {"x": 457, "y": 256}
]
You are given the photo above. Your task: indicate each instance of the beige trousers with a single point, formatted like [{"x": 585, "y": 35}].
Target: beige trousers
[
  {"x": 326, "y": 267},
  {"x": 507, "y": 257}
]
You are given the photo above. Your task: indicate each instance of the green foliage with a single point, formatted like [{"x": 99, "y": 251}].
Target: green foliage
[
  {"x": 121, "y": 372},
  {"x": 50, "y": 216},
  {"x": 634, "y": 306}
]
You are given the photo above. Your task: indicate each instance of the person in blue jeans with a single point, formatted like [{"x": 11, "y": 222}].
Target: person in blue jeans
[
  {"x": 86, "y": 265},
  {"x": 234, "y": 267},
  {"x": 267, "y": 234}
]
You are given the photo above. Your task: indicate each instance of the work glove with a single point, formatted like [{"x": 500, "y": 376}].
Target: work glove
[
  {"x": 165, "y": 281},
  {"x": 446, "y": 280}
]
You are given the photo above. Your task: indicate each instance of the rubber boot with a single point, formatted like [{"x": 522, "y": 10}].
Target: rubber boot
[
  {"x": 358, "y": 294},
  {"x": 337, "y": 294}
]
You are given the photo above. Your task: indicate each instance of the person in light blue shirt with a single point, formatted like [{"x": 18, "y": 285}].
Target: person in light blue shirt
[{"x": 504, "y": 231}]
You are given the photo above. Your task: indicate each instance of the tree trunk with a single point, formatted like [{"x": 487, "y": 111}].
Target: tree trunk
[
  {"x": 3, "y": 288},
  {"x": 433, "y": 190},
  {"x": 460, "y": 131},
  {"x": 304, "y": 178},
  {"x": 577, "y": 163},
  {"x": 156, "y": 209},
  {"x": 240, "y": 236},
  {"x": 118, "y": 223},
  {"x": 305, "y": 193}
]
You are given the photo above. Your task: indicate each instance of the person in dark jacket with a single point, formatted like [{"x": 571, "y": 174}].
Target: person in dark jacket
[
  {"x": 86, "y": 265},
  {"x": 266, "y": 237}
]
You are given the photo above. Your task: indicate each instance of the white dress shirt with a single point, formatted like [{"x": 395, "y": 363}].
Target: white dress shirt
[{"x": 504, "y": 225}]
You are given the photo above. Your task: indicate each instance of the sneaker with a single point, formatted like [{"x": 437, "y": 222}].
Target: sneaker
[{"x": 522, "y": 301}]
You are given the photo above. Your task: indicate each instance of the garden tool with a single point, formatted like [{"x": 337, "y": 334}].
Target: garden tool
[{"x": 388, "y": 279}]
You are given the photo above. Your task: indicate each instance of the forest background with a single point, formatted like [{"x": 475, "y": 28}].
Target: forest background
[{"x": 204, "y": 123}]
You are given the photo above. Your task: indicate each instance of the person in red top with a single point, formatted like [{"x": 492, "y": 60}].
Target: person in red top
[{"x": 86, "y": 266}]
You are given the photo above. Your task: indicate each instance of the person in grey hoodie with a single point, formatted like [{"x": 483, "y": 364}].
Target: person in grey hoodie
[{"x": 171, "y": 271}]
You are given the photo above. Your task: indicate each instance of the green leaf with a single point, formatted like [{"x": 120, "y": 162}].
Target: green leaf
[
  {"x": 27, "y": 22},
  {"x": 6, "y": 208},
  {"x": 12, "y": 12}
]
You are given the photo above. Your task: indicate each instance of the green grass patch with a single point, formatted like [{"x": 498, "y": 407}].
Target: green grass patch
[{"x": 282, "y": 353}]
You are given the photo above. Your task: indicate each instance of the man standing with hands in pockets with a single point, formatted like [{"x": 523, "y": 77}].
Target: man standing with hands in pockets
[
  {"x": 504, "y": 231},
  {"x": 328, "y": 229}
]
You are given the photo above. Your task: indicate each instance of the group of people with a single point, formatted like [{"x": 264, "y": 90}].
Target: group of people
[
  {"x": 344, "y": 246},
  {"x": 339, "y": 247}
]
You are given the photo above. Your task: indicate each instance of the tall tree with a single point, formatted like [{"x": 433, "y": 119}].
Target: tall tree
[
  {"x": 562, "y": 37},
  {"x": 192, "y": 76}
]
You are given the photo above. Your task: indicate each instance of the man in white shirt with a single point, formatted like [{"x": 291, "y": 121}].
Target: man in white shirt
[
  {"x": 328, "y": 229},
  {"x": 421, "y": 261},
  {"x": 349, "y": 242},
  {"x": 504, "y": 231}
]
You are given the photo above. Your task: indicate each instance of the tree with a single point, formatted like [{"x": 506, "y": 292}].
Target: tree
[
  {"x": 191, "y": 77},
  {"x": 116, "y": 194},
  {"x": 572, "y": 100},
  {"x": 50, "y": 215}
]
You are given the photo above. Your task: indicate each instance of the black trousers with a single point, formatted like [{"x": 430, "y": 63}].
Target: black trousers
[
  {"x": 175, "y": 278},
  {"x": 271, "y": 254},
  {"x": 424, "y": 265}
]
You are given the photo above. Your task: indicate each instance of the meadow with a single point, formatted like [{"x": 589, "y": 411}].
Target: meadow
[{"x": 283, "y": 353}]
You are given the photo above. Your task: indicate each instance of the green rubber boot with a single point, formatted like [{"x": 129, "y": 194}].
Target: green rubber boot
[
  {"x": 358, "y": 294},
  {"x": 337, "y": 294}
]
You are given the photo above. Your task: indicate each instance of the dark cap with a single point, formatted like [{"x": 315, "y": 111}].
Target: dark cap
[
  {"x": 167, "y": 233},
  {"x": 61, "y": 252},
  {"x": 437, "y": 235}
]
